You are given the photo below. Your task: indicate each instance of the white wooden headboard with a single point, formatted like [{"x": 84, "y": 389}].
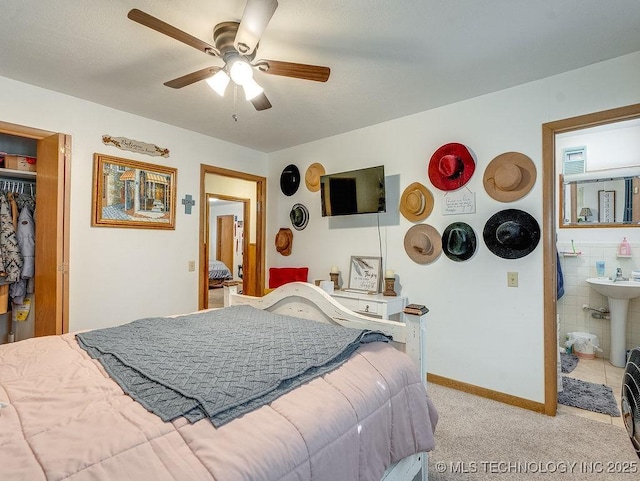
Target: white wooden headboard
[{"x": 308, "y": 301}]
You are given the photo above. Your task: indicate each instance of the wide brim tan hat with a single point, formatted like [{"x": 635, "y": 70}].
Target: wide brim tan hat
[
  {"x": 509, "y": 176},
  {"x": 423, "y": 243},
  {"x": 416, "y": 202},
  {"x": 312, "y": 176},
  {"x": 284, "y": 241}
]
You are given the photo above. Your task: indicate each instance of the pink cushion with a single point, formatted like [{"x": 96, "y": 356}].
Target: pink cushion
[{"x": 283, "y": 275}]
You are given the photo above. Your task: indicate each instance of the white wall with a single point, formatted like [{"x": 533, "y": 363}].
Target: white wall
[
  {"x": 480, "y": 331},
  {"x": 118, "y": 275}
]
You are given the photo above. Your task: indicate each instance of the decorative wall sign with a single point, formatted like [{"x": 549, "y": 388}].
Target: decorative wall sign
[
  {"x": 135, "y": 146},
  {"x": 459, "y": 202},
  {"x": 606, "y": 206},
  {"x": 364, "y": 273},
  {"x": 127, "y": 193}
]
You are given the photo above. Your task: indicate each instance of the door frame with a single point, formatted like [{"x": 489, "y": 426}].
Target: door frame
[
  {"x": 51, "y": 218},
  {"x": 550, "y": 214},
  {"x": 260, "y": 223}
]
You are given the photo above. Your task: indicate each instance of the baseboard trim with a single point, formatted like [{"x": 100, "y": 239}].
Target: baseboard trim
[{"x": 487, "y": 393}]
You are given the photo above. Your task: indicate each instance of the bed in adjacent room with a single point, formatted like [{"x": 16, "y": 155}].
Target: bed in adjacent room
[
  {"x": 218, "y": 273},
  {"x": 352, "y": 407}
]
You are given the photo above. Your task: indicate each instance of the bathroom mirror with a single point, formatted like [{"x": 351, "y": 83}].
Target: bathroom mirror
[{"x": 598, "y": 163}]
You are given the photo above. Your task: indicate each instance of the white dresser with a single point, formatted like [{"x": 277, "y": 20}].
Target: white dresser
[{"x": 373, "y": 305}]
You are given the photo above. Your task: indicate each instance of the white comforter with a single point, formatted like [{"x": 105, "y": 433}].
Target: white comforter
[{"x": 66, "y": 419}]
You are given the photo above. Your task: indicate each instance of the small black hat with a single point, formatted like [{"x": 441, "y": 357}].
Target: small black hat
[
  {"x": 299, "y": 216},
  {"x": 511, "y": 233},
  {"x": 459, "y": 241},
  {"x": 290, "y": 180}
]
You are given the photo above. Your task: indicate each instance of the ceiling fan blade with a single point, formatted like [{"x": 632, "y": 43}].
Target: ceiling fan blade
[
  {"x": 159, "y": 26},
  {"x": 256, "y": 17},
  {"x": 261, "y": 102},
  {"x": 296, "y": 70},
  {"x": 192, "y": 77}
]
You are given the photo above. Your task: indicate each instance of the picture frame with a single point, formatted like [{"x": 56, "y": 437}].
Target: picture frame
[
  {"x": 365, "y": 273},
  {"x": 606, "y": 206},
  {"x": 132, "y": 194}
]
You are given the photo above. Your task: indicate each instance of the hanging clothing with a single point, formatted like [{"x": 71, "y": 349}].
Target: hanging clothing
[
  {"x": 25, "y": 235},
  {"x": 559, "y": 278},
  {"x": 10, "y": 254}
]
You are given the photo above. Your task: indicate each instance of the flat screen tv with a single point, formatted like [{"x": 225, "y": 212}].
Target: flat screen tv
[{"x": 354, "y": 192}]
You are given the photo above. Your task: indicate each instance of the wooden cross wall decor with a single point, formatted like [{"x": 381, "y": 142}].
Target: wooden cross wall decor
[{"x": 188, "y": 202}]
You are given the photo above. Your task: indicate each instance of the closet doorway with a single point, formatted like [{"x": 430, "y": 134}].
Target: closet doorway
[
  {"x": 251, "y": 190},
  {"x": 51, "y": 278}
]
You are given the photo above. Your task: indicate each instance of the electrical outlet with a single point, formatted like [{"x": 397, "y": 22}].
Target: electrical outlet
[
  {"x": 512, "y": 279},
  {"x": 192, "y": 266}
]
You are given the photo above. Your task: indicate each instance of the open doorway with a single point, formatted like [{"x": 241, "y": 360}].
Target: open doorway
[
  {"x": 551, "y": 213},
  {"x": 227, "y": 227},
  {"x": 250, "y": 190}
]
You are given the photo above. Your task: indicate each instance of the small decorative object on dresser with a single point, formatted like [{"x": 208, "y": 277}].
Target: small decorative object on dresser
[
  {"x": 415, "y": 309},
  {"x": 335, "y": 276},
  {"x": 365, "y": 274},
  {"x": 389, "y": 283}
]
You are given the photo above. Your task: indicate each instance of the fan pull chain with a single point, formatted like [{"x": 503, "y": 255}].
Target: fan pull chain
[{"x": 235, "y": 97}]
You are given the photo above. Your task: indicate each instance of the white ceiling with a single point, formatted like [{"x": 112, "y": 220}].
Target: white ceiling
[{"x": 388, "y": 58}]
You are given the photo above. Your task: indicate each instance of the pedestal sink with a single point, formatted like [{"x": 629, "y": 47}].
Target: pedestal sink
[{"x": 618, "y": 293}]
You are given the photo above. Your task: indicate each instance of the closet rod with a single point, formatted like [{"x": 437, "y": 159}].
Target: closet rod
[{"x": 18, "y": 186}]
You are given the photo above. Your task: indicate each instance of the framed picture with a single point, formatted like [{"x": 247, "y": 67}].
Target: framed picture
[
  {"x": 606, "y": 206},
  {"x": 127, "y": 193},
  {"x": 365, "y": 273}
]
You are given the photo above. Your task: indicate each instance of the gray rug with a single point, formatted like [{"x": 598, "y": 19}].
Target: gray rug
[
  {"x": 569, "y": 362},
  {"x": 588, "y": 395}
]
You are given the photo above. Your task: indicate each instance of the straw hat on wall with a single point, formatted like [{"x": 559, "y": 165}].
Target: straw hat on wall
[
  {"x": 416, "y": 202},
  {"x": 284, "y": 241},
  {"x": 312, "y": 176}
]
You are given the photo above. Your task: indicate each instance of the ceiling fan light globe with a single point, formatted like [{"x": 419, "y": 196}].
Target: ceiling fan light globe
[
  {"x": 219, "y": 82},
  {"x": 251, "y": 89},
  {"x": 241, "y": 72}
]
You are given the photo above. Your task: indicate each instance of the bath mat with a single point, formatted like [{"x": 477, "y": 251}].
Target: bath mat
[
  {"x": 569, "y": 362},
  {"x": 588, "y": 395}
]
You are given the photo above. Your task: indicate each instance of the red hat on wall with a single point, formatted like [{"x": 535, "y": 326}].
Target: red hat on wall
[{"x": 451, "y": 166}]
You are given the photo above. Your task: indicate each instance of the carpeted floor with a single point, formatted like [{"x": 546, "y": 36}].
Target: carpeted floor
[
  {"x": 482, "y": 440},
  {"x": 588, "y": 395}
]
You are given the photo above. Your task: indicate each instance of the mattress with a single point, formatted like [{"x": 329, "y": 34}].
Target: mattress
[{"x": 65, "y": 418}]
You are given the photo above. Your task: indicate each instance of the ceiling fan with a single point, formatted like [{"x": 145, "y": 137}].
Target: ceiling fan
[{"x": 236, "y": 43}]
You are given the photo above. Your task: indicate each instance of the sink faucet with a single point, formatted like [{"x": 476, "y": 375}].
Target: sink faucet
[{"x": 618, "y": 276}]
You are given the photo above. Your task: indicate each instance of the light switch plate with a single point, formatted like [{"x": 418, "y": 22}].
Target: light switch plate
[{"x": 512, "y": 279}]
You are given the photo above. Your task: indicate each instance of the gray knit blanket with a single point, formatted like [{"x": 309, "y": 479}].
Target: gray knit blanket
[{"x": 219, "y": 364}]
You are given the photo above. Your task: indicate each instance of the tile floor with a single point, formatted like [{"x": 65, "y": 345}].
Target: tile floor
[{"x": 598, "y": 371}]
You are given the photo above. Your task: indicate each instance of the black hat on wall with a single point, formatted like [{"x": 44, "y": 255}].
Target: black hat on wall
[
  {"x": 459, "y": 241},
  {"x": 290, "y": 180},
  {"x": 511, "y": 233}
]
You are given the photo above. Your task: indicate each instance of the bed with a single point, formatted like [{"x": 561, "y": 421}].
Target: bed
[
  {"x": 218, "y": 273},
  {"x": 369, "y": 418}
]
